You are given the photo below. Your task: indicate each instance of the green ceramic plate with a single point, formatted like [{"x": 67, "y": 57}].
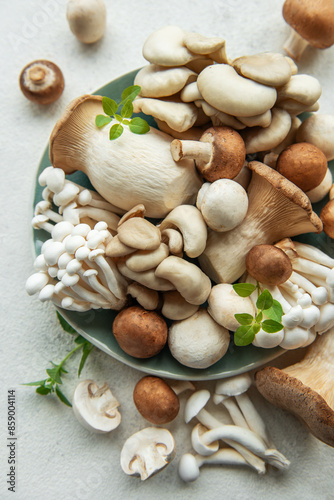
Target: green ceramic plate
[{"x": 96, "y": 326}]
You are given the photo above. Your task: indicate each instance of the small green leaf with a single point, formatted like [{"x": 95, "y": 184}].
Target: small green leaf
[
  {"x": 102, "y": 120},
  {"x": 65, "y": 326},
  {"x": 127, "y": 109},
  {"x": 256, "y": 328},
  {"x": 275, "y": 312},
  {"x": 43, "y": 391},
  {"x": 80, "y": 340},
  {"x": 244, "y": 319},
  {"x": 265, "y": 300},
  {"x": 115, "y": 131},
  {"x": 244, "y": 289},
  {"x": 259, "y": 317},
  {"x": 62, "y": 397},
  {"x": 130, "y": 93},
  {"x": 109, "y": 106},
  {"x": 54, "y": 374},
  {"x": 139, "y": 126},
  {"x": 119, "y": 118},
  {"x": 85, "y": 353},
  {"x": 244, "y": 335},
  {"x": 40, "y": 382},
  {"x": 126, "y": 122},
  {"x": 271, "y": 326}
]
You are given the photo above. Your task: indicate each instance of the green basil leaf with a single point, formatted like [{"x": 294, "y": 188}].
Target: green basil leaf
[
  {"x": 244, "y": 335},
  {"x": 256, "y": 328},
  {"x": 43, "y": 391},
  {"x": 102, "y": 120},
  {"x": 271, "y": 326},
  {"x": 109, "y": 106},
  {"x": 130, "y": 93},
  {"x": 244, "y": 318},
  {"x": 139, "y": 126},
  {"x": 127, "y": 109},
  {"x": 244, "y": 289},
  {"x": 126, "y": 122},
  {"x": 119, "y": 118},
  {"x": 275, "y": 312},
  {"x": 265, "y": 300},
  {"x": 65, "y": 326},
  {"x": 54, "y": 374},
  {"x": 259, "y": 317},
  {"x": 115, "y": 131},
  {"x": 62, "y": 397}
]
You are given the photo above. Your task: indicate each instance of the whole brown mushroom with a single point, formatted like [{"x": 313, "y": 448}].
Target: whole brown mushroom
[
  {"x": 140, "y": 333},
  {"x": 42, "y": 82},
  {"x": 303, "y": 164},
  {"x": 155, "y": 400},
  {"x": 268, "y": 264}
]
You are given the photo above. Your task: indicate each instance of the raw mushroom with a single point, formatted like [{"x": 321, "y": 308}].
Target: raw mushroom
[
  {"x": 157, "y": 81},
  {"x": 95, "y": 407},
  {"x": 154, "y": 179},
  {"x": 223, "y": 204},
  {"x": 318, "y": 193},
  {"x": 198, "y": 341},
  {"x": 147, "y": 452},
  {"x": 268, "y": 264},
  {"x": 147, "y": 298},
  {"x": 140, "y": 333},
  {"x": 269, "y": 68},
  {"x": 305, "y": 388},
  {"x": 42, "y": 82},
  {"x": 87, "y": 19},
  {"x": 219, "y": 153},
  {"x": 155, "y": 400},
  {"x": 277, "y": 209},
  {"x": 311, "y": 23},
  {"x": 327, "y": 218},
  {"x": 175, "y": 307},
  {"x": 318, "y": 129}
]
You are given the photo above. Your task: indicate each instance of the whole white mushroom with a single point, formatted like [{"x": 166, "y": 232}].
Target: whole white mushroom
[
  {"x": 223, "y": 204},
  {"x": 87, "y": 19}
]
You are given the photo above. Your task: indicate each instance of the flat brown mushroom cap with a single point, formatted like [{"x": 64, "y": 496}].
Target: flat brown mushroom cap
[
  {"x": 291, "y": 394},
  {"x": 313, "y": 21},
  {"x": 61, "y": 156}
]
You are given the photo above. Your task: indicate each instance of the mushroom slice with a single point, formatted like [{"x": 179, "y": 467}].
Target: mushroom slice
[
  {"x": 134, "y": 169},
  {"x": 269, "y": 68},
  {"x": 304, "y": 89},
  {"x": 305, "y": 388},
  {"x": 223, "y": 88},
  {"x": 179, "y": 116},
  {"x": 277, "y": 209},
  {"x": 156, "y": 81},
  {"x": 264, "y": 139},
  {"x": 95, "y": 407},
  {"x": 147, "y": 452}
]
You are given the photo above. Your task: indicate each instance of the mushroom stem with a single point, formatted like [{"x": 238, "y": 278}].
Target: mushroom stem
[
  {"x": 319, "y": 294},
  {"x": 194, "y": 150},
  {"x": 148, "y": 461},
  {"x": 295, "y": 45},
  {"x": 312, "y": 253}
]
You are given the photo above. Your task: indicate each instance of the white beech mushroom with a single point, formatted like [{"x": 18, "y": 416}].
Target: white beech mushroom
[
  {"x": 154, "y": 179},
  {"x": 311, "y": 24},
  {"x": 277, "y": 209},
  {"x": 198, "y": 341},
  {"x": 42, "y": 82},
  {"x": 87, "y": 19},
  {"x": 318, "y": 129},
  {"x": 147, "y": 452},
  {"x": 305, "y": 388},
  {"x": 95, "y": 407}
]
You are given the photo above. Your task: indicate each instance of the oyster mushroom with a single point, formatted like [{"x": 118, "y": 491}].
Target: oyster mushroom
[
  {"x": 157, "y": 81},
  {"x": 305, "y": 388},
  {"x": 95, "y": 407},
  {"x": 42, "y": 82},
  {"x": 135, "y": 169},
  {"x": 269, "y": 68},
  {"x": 311, "y": 23},
  {"x": 147, "y": 452},
  {"x": 277, "y": 209}
]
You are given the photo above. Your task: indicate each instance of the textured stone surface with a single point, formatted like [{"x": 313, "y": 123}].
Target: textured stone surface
[{"x": 56, "y": 457}]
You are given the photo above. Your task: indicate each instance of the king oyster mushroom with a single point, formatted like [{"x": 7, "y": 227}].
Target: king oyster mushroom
[
  {"x": 277, "y": 209},
  {"x": 133, "y": 169}
]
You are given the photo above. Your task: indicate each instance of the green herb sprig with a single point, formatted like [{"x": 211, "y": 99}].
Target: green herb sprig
[
  {"x": 268, "y": 315},
  {"x": 137, "y": 125},
  {"x": 51, "y": 384}
]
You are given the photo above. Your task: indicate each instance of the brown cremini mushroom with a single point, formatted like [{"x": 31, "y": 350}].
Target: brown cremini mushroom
[
  {"x": 305, "y": 388},
  {"x": 140, "y": 333},
  {"x": 155, "y": 400},
  {"x": 311, "y": 22},
  {"x": 268, "y": 264},
  {"x": 303, "y": 164},
  {"x": 327, "y": 218},
  {"x": 220, "y": 153},
  {"x": 42, "y": 82}
]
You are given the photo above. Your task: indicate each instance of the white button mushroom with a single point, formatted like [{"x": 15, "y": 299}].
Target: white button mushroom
[{"x": 87, "y": 19}]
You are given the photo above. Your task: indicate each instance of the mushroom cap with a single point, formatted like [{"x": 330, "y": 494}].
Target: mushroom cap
[
  {"x": 228, "y": 154},
  {"x": 313, "y": 21},
  {"x": 198, "y": 341},
  {"x": 158, "y": 81},
  {"x": 188, "y": 468},
  {"x": 318, "y": 129},
  {"x": 139, "y": 233},
  {"x": 42, "y": 81},
  {"x": 269, "y": 68},
  {"x": 303, "y": 164},
  {"x": 289, "y": 393},
  {"x": 155, "y": 400},
  {"x": 327, "y": 217},
  {"x": 233, "y": 386},
  {"x": 301, "y": 88},
  {"x": 195, "y": 403},
  {"x": 268, "y": 264},
  {"x": 223, "y": 88},
  {"x": 140, "y": 333}
]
